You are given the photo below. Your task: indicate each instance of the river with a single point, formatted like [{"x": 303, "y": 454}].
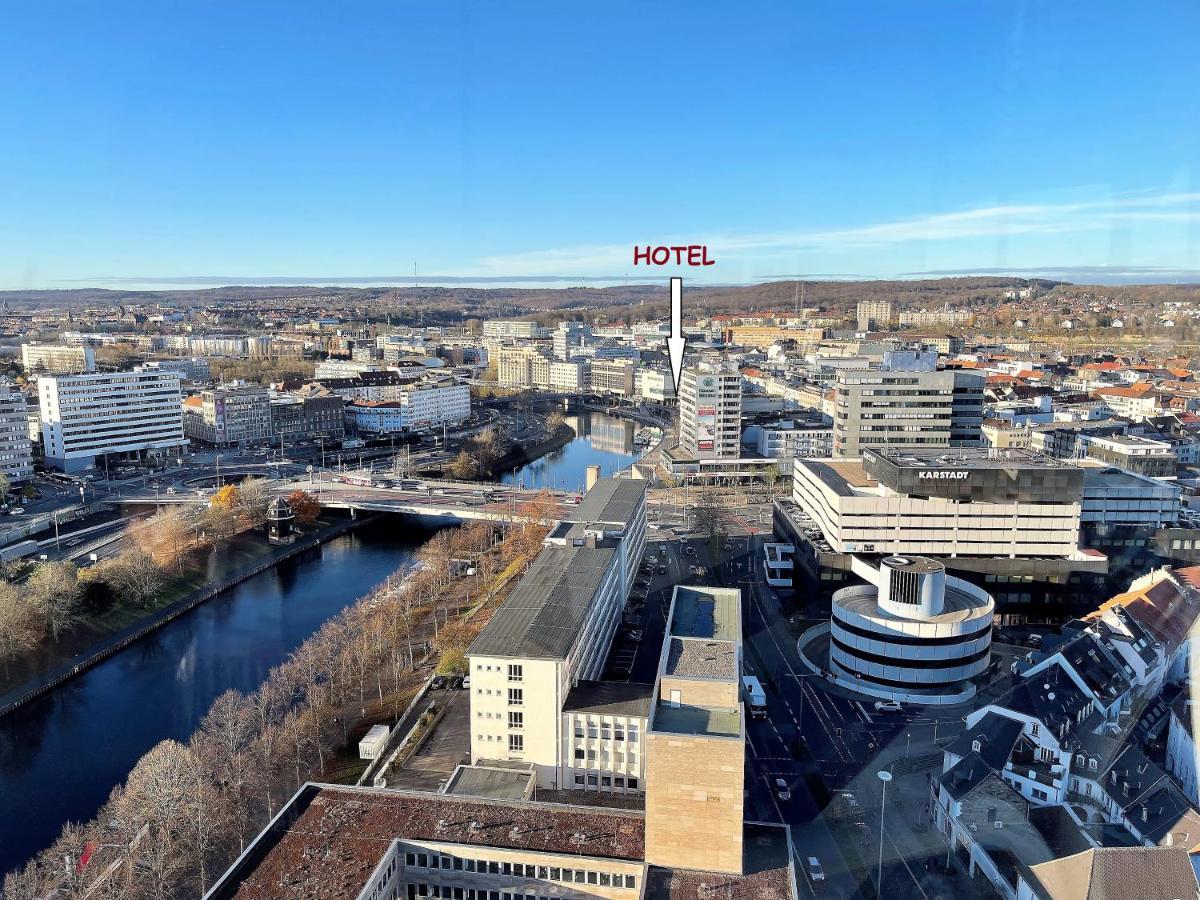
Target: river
[
  {"x": 61, "y": 755},
  {"x": 600, "y": 439}
]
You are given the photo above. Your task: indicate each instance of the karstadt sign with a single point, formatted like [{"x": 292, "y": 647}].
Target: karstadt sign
[{"x": 942, "y": 475}]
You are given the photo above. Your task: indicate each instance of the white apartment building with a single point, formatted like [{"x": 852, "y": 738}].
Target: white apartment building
[
  {"x": 419, "y": 408},
  {"x": 969, "y": 504},
  {"x": 16, "y": 449},
  {"x": 710, "y": 412},
  {"x": 108, "y": 413},
  {"x": 345, "y": 368},
  {"x": 512, "y": 330},
  {"x": 57, "y": 359},
  {"x": 193, "y": 368},
  {"x": 521, "y": 367},
  {"x": 553, "y": 632}
]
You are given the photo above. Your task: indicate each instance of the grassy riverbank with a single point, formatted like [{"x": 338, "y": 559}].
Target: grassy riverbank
[{"x": 211, "y": 565}]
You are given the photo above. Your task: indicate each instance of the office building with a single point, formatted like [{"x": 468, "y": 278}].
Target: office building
[
  {"x": 655, "y": 385},
  {"x": 57, "y": 359},
  {"x": 567, "y": 377},
  {"x": 612, "y": 376},
  {"x": 127, "y": 414},
  {"x": 553, "y": 632},
  {"x": 907, "y": 404},
  {"x": 911, "y": 633},
  {"x": 874, "y": 315},
  {"x": 710, "y": 413},
  {"x": 965, "y": 504},
  {"x": 522, "y": 367},
  {"x": 233, "y": 414},
  {"x": 345, "y": 368},
  {"x": 16, "y": 449},
  {"x": 296, "y": 418}
]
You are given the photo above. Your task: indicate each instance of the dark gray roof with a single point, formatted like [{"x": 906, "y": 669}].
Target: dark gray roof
[
  {"x": 996, "y": 734},
  {"x": 610, "y": 698},
  {"x": 611, "y": 501},
  {"x": 965, "y": 775},
  {"x": 542, "y": 616}
]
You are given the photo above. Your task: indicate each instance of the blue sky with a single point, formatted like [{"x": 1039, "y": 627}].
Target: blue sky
[{"x": 154, "y": 144}]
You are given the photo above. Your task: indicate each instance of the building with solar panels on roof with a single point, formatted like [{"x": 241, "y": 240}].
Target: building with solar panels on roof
[{"x": 552, "y": 635}]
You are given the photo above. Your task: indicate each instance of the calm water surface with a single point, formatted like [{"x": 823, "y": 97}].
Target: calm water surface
[
  {"x": 60, "y": 756},
  {"x": 601, "y": 439}
]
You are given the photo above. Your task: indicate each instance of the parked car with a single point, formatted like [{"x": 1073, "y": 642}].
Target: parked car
[
  {"x": 813, "y": 868},
  {"x": 782, "y": 791},
  {"x": 18, "y": 511},
  {"x": 455, "y": 683},
  {"x": 438, "y": 683},
  {"x": 466, "y": 683},
  {"x": 888, "y": 706}
]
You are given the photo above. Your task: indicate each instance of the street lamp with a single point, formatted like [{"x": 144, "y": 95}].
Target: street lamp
[{"x": 885, "y": 776}]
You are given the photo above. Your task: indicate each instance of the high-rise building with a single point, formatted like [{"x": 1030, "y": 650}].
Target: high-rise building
[
  {"x": 569, "y": 337},
  {"x": 100, "y": 414},
  {"x": 16, "y": 450},
  {"x": 907, "y": 404},
  {"x": 612, "y": 376},
  {"x": 874, "y": 314},
  {"x": 518, "y": 330},
  {"x": 57, "y": 359},
  {"x": 710, "y": 412}
]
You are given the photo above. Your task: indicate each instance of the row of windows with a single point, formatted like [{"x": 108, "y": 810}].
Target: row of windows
[
  {"x": 597, "y": 781},
  {"x": 605, "y": 732},
  {"x": 591, "y": 756},
  {"x": 445, "y": 862},
  {"x": 516, "y": 671},
  {"x": 516, "y": 742},
  {"x": 516, "y": 696}
]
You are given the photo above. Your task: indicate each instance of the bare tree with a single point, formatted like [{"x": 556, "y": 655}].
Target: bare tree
[
  {"x": 54, "y": 586},
  {"x": 22, "y": 624},
  {"x": 137, "y": 577}
]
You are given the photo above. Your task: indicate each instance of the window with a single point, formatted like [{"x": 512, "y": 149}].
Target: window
[
  {"x": 1034, "y": 729},
  {"x": 516, "y": 672},
  {"x": 516, "y": 720},
  {"x": 516, "y": 743},
  {"x": 516, "y": 696}
]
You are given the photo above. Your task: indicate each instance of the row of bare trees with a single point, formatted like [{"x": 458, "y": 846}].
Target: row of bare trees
[
  {"x": 56, "y": 597},
  {"x": 188, "y": 809}
]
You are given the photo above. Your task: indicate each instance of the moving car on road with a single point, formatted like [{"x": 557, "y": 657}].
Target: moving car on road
[
  {"x": 888, "y": 706},
  {"x": 782, "y": 791}
]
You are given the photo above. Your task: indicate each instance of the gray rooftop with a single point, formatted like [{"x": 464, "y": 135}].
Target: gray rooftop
[
  {"x": 610, "y": 698},
  {"x": 692, "y": 658},
  {"x": 611, "y": 501},
  {"x": 542, "y": 616},
  {"x": 725, "y": 721},
  {"x": 495, "y": 782}
]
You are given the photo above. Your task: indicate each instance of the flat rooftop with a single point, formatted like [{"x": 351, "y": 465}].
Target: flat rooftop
[
  {"x": 698, "y": 658},
  {"x": 612, "y": 501},
  {"x": 960, "y": 607},
  {"x": 706, "y": 612},
  {"x": 722, "y": 721},
  {"x": 969, "y": 458},
  {"x": 765, "y": 859},
  {"x": 610, "y": 698},
  {"x": 846, "y": 478},
  {"x": 492, "y": 781},
  {"x": 331, "y": 838}
]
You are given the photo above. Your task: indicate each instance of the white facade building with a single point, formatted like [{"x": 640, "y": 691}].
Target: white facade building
[
  {"x": 100, "y": 414},
  {"x": 553, "y": 632},
  {"x": 968, "y": 504},
  {"x": 710, "y": 412},
  {"x": 57, "y": 359}
]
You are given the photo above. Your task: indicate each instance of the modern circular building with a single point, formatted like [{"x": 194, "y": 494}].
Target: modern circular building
[{"x": 914, "y": 634}]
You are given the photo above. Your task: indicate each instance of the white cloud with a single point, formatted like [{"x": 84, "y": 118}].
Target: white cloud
[{"x": 1004, "y": 221}]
